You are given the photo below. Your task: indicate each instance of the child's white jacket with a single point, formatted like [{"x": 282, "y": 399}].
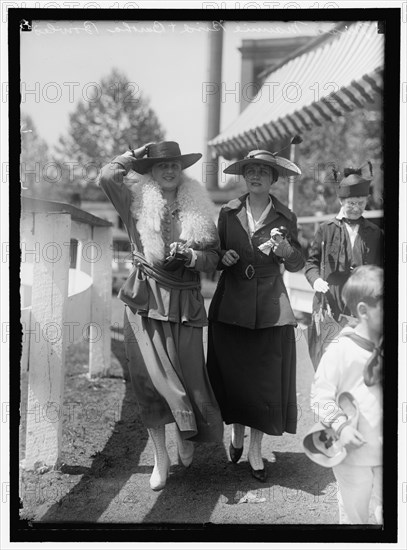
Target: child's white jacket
[{"x": 341, "y": 369}]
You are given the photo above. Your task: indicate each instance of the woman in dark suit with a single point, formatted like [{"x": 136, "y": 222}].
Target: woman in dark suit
[{"x": 251, "y": 341}]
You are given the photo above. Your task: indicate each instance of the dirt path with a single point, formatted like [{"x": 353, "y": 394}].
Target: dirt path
[{"x": 107, "y": 463}]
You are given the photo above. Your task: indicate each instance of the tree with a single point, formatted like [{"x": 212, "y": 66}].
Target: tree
[
  {"x": 348, "y": 141},
  {"x": 116, "y": 116},
  {"x": 34, "y": 161}
]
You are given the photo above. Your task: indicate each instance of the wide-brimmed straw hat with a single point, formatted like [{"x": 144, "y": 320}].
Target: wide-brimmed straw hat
[
  {"x": 322, "y": 445},
  {"x": 161, "y": 152},
  {"x": 281, "y": 166}
]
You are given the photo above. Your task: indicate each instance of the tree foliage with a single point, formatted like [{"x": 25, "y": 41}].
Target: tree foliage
[
  {"x": 116, "y": 116},
  {"x": 36, "y": 165},
  {"x": 348, "y": 141}
]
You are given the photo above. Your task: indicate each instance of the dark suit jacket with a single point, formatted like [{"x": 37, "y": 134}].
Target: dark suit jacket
[{"x": 260, "y": 301}]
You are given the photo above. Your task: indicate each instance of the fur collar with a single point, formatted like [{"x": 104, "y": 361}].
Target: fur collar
[{"x": 196, "y": 213}]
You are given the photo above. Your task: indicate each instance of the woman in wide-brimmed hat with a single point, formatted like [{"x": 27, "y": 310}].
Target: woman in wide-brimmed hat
[
  {"x": 168, "y": 217},
  {"x": 251, "y": 341}
]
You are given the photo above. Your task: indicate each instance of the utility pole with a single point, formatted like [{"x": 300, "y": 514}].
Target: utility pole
[
  {"x": 211, "y": 95},
  {"x": 293, "y": 184}
]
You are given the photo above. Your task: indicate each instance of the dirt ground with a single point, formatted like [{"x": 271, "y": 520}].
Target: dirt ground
[{"x": 107, "y": 460}]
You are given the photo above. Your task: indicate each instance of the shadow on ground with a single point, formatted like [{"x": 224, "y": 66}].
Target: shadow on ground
[{"x": 108, "y": 460}]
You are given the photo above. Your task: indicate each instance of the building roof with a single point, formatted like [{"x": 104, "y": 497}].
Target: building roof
[
  {"x": 30, "y": 204},
  {"x": 337, "y": 73}
]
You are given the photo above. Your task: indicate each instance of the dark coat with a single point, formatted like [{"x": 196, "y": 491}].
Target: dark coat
[
  {"x": 336, "y": 266},
  {"x": 260, "y": 301}
]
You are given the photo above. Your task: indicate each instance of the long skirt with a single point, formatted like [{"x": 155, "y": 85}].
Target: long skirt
[
  {"x": 253, "y": 375},
  {"x": 168, "y": 374}
]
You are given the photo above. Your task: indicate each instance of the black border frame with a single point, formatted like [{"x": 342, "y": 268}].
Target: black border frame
[{"x": 24, "y": 531}]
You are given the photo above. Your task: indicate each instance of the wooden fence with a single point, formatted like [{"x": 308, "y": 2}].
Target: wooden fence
[{"x": 66, "y": 284}]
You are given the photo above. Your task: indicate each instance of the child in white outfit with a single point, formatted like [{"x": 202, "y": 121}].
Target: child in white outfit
[{"x": 347, "y": 366}]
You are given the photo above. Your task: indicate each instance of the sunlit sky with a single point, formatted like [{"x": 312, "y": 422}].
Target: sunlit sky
[{"x": 166, "y": 61}]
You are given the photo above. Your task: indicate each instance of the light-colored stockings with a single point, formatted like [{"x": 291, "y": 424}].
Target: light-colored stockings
[
  {"x": 162, "y": 461},
  {"x": 185, "y": 449},
  {"x": 254, "y": 454}
]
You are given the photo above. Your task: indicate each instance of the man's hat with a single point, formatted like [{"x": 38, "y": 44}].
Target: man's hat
[
  {"x": 353, "y": 186},
  {"x": 321, "y": 444},
  {"x": 162, "y": 152},
  {"x": 280, "y": 165}
]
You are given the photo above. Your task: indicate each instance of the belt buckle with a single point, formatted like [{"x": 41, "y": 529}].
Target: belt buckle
[{"x": 249, "y": 271}]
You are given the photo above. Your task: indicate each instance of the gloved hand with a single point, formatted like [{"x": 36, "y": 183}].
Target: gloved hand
[
  {"x": 180, "y": 254},
  {"x": 278, "y": 243},
  {"x": 283, "y": 249},
  {"x": 181, "y": 250},
  {"x": 320, "y": 285},
  {"x": 138, "y": 153}
]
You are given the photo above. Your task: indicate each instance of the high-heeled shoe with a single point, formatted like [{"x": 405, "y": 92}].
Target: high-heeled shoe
[
  {"x": 159, "y": 476},
  {"x": 260, "y": 475},
  {"x": 162, "y": 461},
  {"x": 254, "y": 455},
  {"x": 235, "y": 453},
  {"x": 237, "y": 437}
]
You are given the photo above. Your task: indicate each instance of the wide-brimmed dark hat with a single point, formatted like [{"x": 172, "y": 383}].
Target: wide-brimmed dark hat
[
  {"x": 281, "y": 165},
  {"x": 354, "y": 185},
  {"x": 161, "y": 152}
]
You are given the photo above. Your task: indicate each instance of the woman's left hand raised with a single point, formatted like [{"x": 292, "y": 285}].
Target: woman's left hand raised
[{"x": 139, "y": 152}]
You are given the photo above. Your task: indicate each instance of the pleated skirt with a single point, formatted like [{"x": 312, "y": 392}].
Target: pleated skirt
[
  {"x": 168, "y": 374},
  {"x": 253, "y": 375}
]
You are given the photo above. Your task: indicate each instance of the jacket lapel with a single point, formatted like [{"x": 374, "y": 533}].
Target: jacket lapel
[
  {"x": 239, "y": 205},
  {"x": 270, "y": 218},
  {"x": 241, "y": 215}
]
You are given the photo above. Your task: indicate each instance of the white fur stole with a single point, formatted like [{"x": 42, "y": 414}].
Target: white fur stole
[{"x": 196, "y": 214}]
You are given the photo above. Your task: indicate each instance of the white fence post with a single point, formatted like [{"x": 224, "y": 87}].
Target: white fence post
[
  {"x": 54, "y": 297},
  {"x": 47, "y": 347},
  {"x": 101, "y": 303}
]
